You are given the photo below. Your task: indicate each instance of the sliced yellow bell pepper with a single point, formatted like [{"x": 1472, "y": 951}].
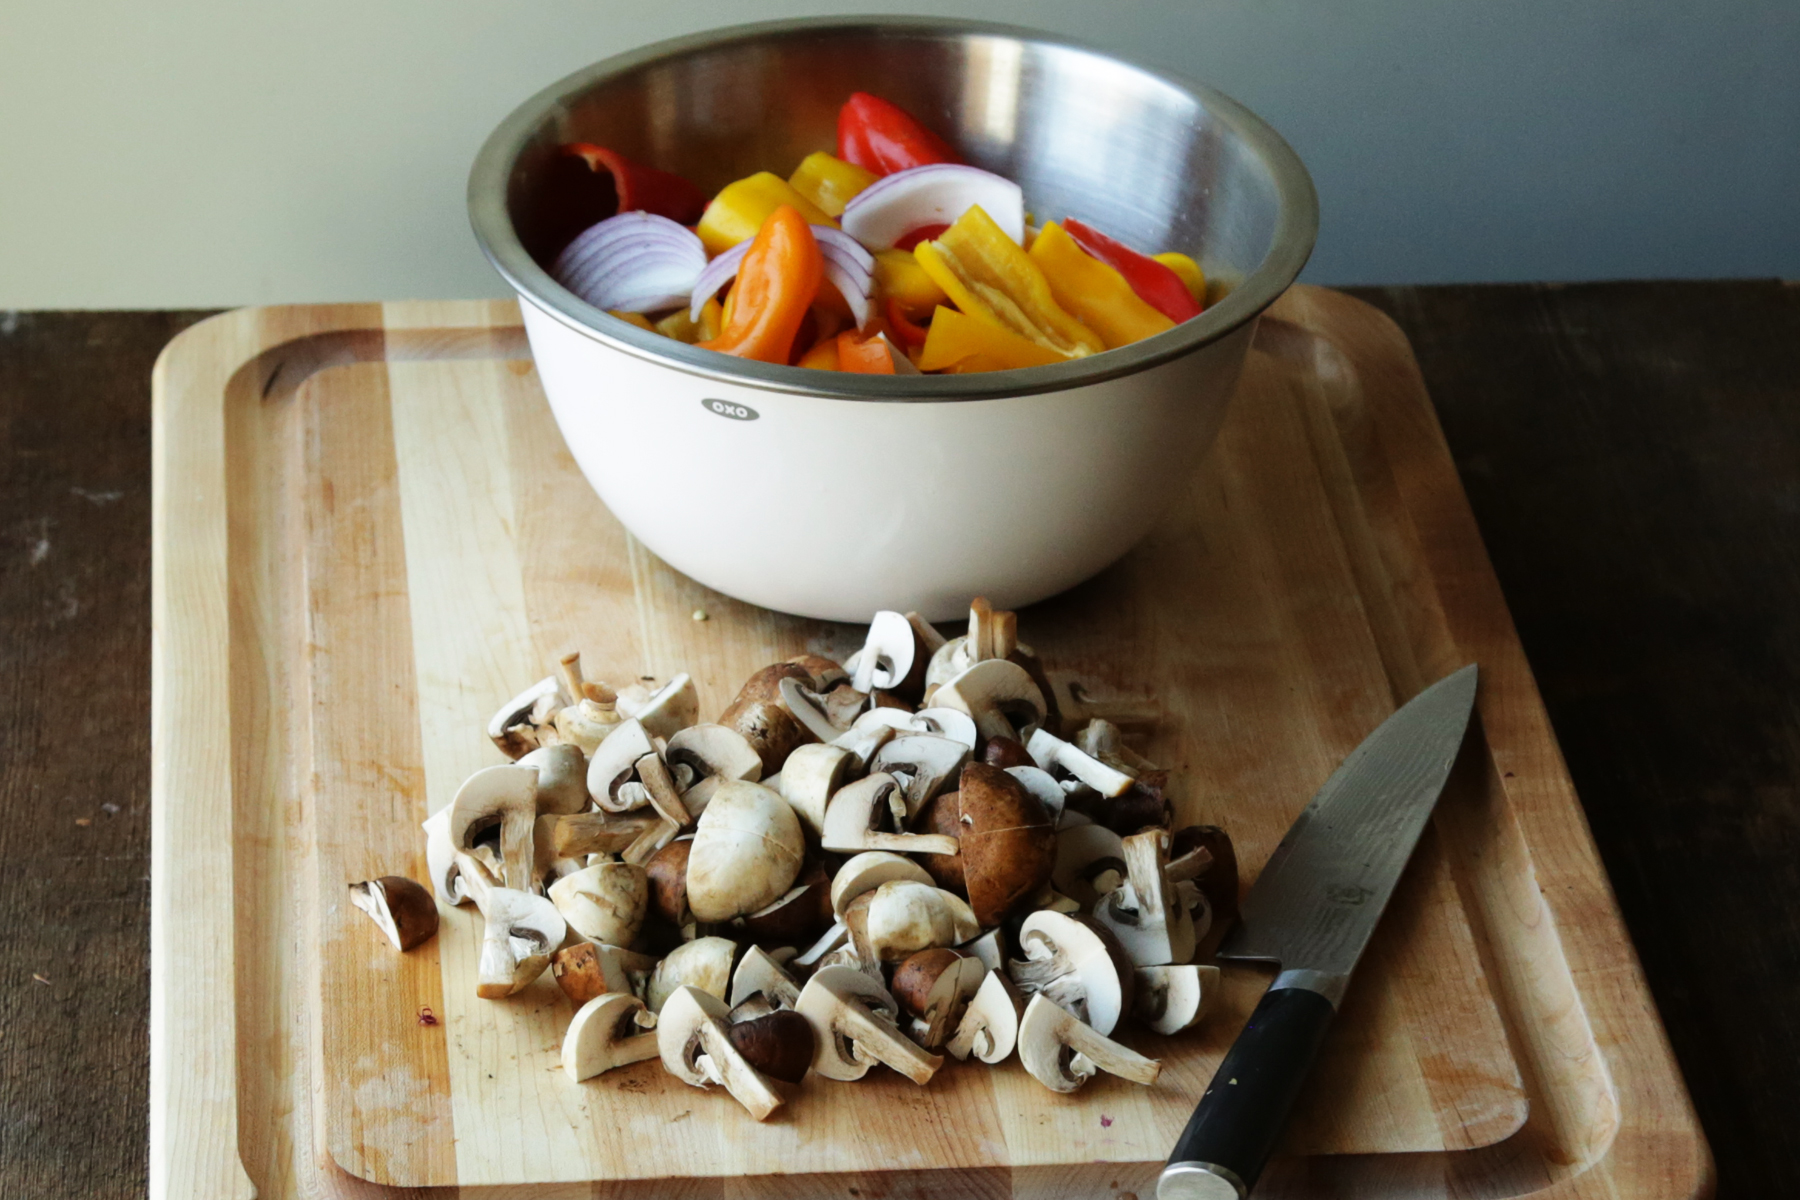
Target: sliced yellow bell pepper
[
  {"x": 829, "y": 182},
  {"x": 1093, "y": 291},
  {"x": 987, "y": 276},
  {"x": 683, "y": 328},
  {"x": 1186, "y": 270},
  {"x": 740, "y": 209},
  {"x": 959, "y": 343},
  {"x": 900, "y": 278},
  {"x": 822, "y": 357},
  {"x": 638, "y": 319}
]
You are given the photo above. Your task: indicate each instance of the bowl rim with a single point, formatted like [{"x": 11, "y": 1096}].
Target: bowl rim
[{"x": 1296, "y": 227}]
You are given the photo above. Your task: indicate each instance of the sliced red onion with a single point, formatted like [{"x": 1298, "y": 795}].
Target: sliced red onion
[
  {"x": 937, "y": 193},
  {"x": 633, "y": 262},
  {"x": 849, "y": 267},
  {"x": 719, "y": 272}
]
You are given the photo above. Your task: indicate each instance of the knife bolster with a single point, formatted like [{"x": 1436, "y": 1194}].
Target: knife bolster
[{"x": 1329, "y": 984}]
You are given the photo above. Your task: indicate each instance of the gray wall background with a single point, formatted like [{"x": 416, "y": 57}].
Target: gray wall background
[{"x": 224, "y": 152}]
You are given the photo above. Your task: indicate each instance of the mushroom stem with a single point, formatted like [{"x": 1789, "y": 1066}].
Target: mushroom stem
[
  {"x": 1109, "y": 1055},
  {"x": 664, "y": 798},
  {"x": 569, "y": 667},
  {"x": 597, "y": 833}
]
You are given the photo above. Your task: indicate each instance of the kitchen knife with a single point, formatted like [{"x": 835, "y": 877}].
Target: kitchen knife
[{"x": 1311, "y": 911}]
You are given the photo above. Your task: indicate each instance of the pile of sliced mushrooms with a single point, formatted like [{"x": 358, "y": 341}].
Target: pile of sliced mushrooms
[{"x": 877, "y": 863}]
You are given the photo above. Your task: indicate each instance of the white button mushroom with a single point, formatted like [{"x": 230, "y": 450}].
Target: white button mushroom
[
  {"x": 562, "y": 778},
  {"x": 520, "y": 932},
  {"x": 704, "y": 963},
  {"x": 1175, "y": 997},
  {"x": 607, "y": 1032},
  {"x": 605, "y": 902},
  {"x": 1053, "y": 754},
  {"x": 1062, "y": 1053},
  {"x": 505, "y": 796},
  {"x": 1142, "y": 912},
  {"x": 747, "y": 852},
  {"x": 855, "y": 816},
  {"x": 1077, "y": 964},
  {"x": 989, "y": 1028},
  {"x": 695, "y": 1044},
  {"x": 1002, "y": 699},
  {"x": 519, "y": 725},
  {"x": 853, "y": 1028}
]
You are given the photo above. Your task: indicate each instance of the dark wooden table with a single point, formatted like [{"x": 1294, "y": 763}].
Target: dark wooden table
[{"x": 1632, "y": 452}]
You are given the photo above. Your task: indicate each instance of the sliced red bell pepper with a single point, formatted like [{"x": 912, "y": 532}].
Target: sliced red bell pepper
[
  {"x": 923, "y": 233},
  {"x": 911, "y": 335},
  {"x": 883, "y": 137},
  {"x": 640, "y": 187},
  {"x": 773, "y": 295},
  {"x": 1155, "y": 284}
]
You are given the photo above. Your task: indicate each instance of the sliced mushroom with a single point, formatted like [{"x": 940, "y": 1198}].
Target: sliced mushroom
[
  {"x": 809, "y": 778},
  {"x": 810, "y": 709},
  {"x": 520, "y": 932},
  {"x": 864, "y": 740},
  {"x": 1090, "y": 862},
  {"x": 519, "y": 725},
  {"x": 1142, "y": 912},
  {"x": 903, "y": 917},
  {"x": 659, "y": 785},
  {"x": 1008, "y": 842},
  {"x": 504, "y": 796},
  {"x": 1173, "y": 998},
  {"x": 855, "y": 816},
  {"x": 715, "y": 754},
  {"x": 1105, "y": 741},
  {"x": 852, "y": 1019},
  {"x": 650, "y": 843},
  {"x": 829, "y": 942},
  {"x": 747, "y": 851},
  {"x": 1077, "y": 964},
  {"x": 670, "y": 709},
  {"x": 614, "y": 763},
  {"x": 607, "y": 1032},
  {"x": 990, "y": 948},
  {"x": 933, "y": 987},
  {"x": 887, "y": 656},
  {"x": 402, "y": 909},
  {"x": 1062, "y": 1053},
  {"x": 694, "y": 1041},
  {"x": 562, "y": 778},
  {"x": 579, "y": 834},
  {"x": 584, "y": 970},
  {"x": 586, "y": 723},
  {"x": 1053, "y": 754},
  {"x": 925, "y": 761},
  {"x": 441, "y": 860},
  {"x": 1001, "y": 698},
  {"x": 779, "y": 1044},
  {"x": 1218, "y": 880},
  {"x": 757, "y": 972},
  {"x": 1042, "y": 785},
  {"x": 989, "y": 1028},
  {"x": 703, "y": 963},
  {"x": 605, "y": 902}
]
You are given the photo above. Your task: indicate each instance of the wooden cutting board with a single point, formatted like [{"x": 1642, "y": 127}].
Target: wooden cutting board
[{"x": 380, "y": 530}]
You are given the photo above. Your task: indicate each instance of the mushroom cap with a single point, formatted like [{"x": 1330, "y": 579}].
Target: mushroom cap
[
  {"x": 1219, "y": 882},
  {"x": 808, "y": 779},
  {"x": 613, "y": 762},
  {"x": 999, "y": 695},
  {"x": 933, "y": 987},
  {"x": 943, "y": 816},
  {"x": 928, "y": 761},
  {"x": 772, "y": 730},
  {"x": 585, "y": 724},
  {"x": 667, "y": 875},
  {"x": 562, "y": 778},
  {"x": 1008, "y": 842},
  {"x": 1005, "y": 753},
  {"x": 887, "y": 654},
  {"x": 905, "y": 917},
  {"x": 671, "y": 708},
  {"x": 780, "y": 1044},
  {"x": 605, "y": 902},
  {"x": 989, "y": 1028},
  {"x": 403, "y": 910},
  {"x": 583, "y": 970},
  {"x": 704, "y": 963},
  {"x": 869, "y": 870},
  {"x": 1069, "y": 960},
  {"x": 747, "y": 852}
]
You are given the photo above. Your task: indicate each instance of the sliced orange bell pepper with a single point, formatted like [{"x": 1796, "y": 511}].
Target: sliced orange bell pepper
[
  {"x": 861, "y": 356},
  {"x": 959, "y": 343},
  {"x": 829, "y": 182},
  {"x": 822, "y": 357},
  {"x": 987, "y": 276},
  {"x": 740, "y": 209},
  {"x": 1093, "y": 291},
  {"x": 774, "y": 291}
]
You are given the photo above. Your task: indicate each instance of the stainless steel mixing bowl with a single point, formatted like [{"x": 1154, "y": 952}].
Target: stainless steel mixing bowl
[{"x": 1015, "y": 483}]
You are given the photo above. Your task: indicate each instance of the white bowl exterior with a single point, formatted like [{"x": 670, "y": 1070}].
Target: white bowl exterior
[{"x": 835, "y": 508}]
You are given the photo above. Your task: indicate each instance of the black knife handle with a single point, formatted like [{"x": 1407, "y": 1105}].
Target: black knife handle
[{"x": 1240, "y": 1118}]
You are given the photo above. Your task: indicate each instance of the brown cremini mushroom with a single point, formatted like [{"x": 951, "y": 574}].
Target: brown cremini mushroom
[
  {"x": 764, "y": 720},
  {"x": 400, "y": 908},
  {"x": 584, "y": 970},
  {"x": 778, "y": 1044},
  {"x": 667, "y": 875},
  {"x": 799, "y": 916},
  {"x": 1008, "y": 842},
  {"x": 933, "y": 987},
  {"x": 943, "y": 816}
]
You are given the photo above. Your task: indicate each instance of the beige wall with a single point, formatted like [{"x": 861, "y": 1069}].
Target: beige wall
[{"x": 218, "y": 152}]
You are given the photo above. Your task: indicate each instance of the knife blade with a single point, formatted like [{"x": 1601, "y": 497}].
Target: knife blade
[{"x": 1312, "y": 910}]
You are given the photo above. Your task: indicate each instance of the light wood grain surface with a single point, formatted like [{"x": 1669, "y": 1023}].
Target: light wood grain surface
[{"x": 1382, "y": 585}]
